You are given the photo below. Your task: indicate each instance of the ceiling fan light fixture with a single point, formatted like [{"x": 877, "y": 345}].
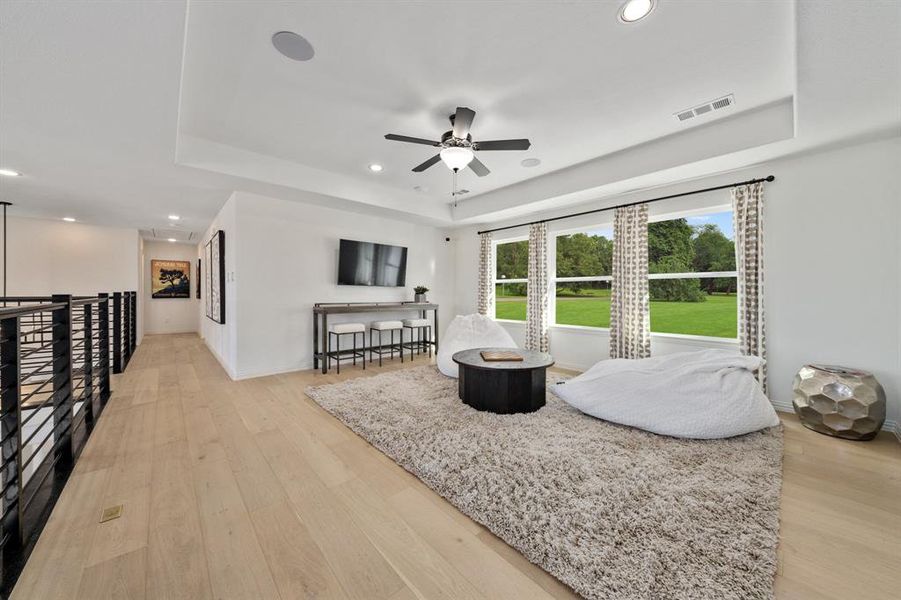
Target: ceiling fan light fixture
[
  {"x": 456, "y": 157},
  {"x": 635, "y": 10}
]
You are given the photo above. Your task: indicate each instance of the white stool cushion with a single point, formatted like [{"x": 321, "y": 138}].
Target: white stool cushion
[
  {"x": 348, "y": 328},
  {"x": 385, "y": 325},
  {"x": 467, "y": 332},
  {"x": 416, "y": 322}
]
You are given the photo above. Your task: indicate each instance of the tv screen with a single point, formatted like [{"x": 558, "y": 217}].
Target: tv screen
[{"x": 365, "y": 263}]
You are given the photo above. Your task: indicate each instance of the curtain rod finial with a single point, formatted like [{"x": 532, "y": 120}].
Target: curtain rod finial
[{"x": 771, "y": 178}]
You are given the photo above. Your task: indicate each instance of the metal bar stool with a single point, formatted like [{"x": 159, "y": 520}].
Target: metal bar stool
[
  {"x": 393, "y": 347},
  {"x": 343, "y": 329},
  {"x": 423, "y": 339}
]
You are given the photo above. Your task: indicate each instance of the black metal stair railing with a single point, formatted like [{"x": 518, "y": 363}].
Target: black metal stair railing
[{"x": 56, "y": 356}]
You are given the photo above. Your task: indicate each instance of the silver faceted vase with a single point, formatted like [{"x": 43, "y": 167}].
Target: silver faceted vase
[{"x": 838, "y": 401}]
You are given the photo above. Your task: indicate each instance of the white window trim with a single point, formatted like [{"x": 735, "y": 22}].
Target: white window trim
[
  {"x": 553, "y": 279},
  {"x": 496, "y": 281},
  {"x": 708, "y": 275}
]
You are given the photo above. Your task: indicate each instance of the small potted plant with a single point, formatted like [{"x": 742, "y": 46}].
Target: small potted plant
[{"x": 420, "y": 291}]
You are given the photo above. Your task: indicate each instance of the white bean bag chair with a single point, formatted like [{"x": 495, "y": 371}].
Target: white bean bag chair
[
  {"x": 702, "y": 395},
  {"x": 466, "y": 332}
]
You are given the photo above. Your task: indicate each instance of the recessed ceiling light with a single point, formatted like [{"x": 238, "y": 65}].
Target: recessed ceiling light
[
  {"x": 9, "y": 173},
  {"x": 375, "y": 168},
  {"x": 171, "y": 239},
  {"x": 69, "y": 219},
  {"x": 635, "y": 10},
  {"x": 292, "y": 45},
  {"x": 174, "y": 217},
  {"x": 530, "y": 162}
]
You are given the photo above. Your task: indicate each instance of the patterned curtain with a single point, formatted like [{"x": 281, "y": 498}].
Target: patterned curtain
[
  {"x": 630, "y": 317},
  {"x": 536, "y": 305},
  {"x": 747, "y": 215},
  {"x": 486, "y": 275}
]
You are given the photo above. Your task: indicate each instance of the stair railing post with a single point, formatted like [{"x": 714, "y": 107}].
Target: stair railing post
[
  {"x": 126, "y": 329},
  {"x": 103, "y": 364},
  {"x": 133, "y": 337},
  {"x": 10, "y": 430},
  {"x": 62, "y": 382},
  {"x": 117, "y": 332},
  {"x": 88, "y": 366}
]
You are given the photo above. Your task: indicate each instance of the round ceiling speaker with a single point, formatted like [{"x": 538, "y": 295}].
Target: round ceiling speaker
[
  {"x": 530, "y": 162},
  {"x": 292, "y": 45}
]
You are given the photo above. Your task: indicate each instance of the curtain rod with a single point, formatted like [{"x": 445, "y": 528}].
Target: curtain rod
[{"x": 597, "y": 210}]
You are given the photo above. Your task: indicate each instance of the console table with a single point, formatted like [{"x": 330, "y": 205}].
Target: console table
[{"x": 321, "y": 311}]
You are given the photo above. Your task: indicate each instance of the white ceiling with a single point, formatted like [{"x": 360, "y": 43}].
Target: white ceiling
[{"x": 121, "y": 113}]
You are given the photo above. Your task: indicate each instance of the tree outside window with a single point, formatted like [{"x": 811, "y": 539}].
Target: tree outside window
[
  {"x": 582, "y": 279},
  {"x": 511, "y": 283},
  {"x": 692, "y": 285}
]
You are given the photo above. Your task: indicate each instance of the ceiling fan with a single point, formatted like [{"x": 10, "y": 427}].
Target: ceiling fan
[{"x": 457, "y": 147}]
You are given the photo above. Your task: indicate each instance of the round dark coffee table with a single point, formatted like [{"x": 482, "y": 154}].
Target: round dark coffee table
[{"x": 503, "y": 387}]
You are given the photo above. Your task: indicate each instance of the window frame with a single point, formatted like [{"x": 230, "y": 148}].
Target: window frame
[
  {"x": 495, "y": 280},
  {"x": 686, "y": 214},
  {"x": 553, "y": 234},
  {"x": 553, "y": 280}
]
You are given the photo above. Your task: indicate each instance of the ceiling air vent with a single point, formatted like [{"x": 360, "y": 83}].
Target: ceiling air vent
[
  {"x": 707, "y": 107},
  {"x": 704, "y": 108},
  {"x": 722, "y": 102},
  {"x": 177, "y": 234}
]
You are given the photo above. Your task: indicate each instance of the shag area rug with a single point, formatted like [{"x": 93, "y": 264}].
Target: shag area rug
[{"x": 613, "y": 512}]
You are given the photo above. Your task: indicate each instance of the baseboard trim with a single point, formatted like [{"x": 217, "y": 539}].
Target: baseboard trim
[
  {"x": 222, "y": 363},
  {"x": 889, "y": 425},
  {"x": 253, "y": 374}
]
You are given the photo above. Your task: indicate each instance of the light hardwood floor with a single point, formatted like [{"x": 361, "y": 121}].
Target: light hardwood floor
[{"x": 250, "y": 490}]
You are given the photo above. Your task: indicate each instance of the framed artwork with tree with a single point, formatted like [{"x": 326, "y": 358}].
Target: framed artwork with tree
[{"x": 170, "y": 278}]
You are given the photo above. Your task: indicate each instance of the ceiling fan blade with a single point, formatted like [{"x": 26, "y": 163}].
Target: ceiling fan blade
[
  {"x": 463, "y": 121},
  {"x": 478, "y": 167},
  {"x": 502, "y": 145},
  {"x": 411, "y": 140},
  {"x": 427, "y": 164}
]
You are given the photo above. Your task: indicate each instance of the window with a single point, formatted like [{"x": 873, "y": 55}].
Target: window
[
  {"x": 582, "y": 278},
  {"x": 691, "y": 263},
  {"x": 511, "y": 283},
  {"x": 692, "y": 276}
]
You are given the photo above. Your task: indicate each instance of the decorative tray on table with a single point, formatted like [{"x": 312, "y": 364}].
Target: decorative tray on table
[{"x": 500, "y": 355}]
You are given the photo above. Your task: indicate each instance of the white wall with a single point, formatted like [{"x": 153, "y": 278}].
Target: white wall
[
  {"x": 169, "y": 315},
  {"x": 54, "y": 257},
  {"x": 281, "y": 258},
  {"x": 222, "y": 339},
  {"x": 288, "y": 261},
  {"x": 832, "y": 269}
]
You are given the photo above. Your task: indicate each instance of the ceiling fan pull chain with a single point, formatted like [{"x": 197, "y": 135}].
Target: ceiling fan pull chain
[{"x": 455, "y": 188}]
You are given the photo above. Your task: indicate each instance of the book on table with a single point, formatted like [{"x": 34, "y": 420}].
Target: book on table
[{"x": 500, "y": 355}]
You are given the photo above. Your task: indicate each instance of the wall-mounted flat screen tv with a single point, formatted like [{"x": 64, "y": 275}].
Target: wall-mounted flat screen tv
[{"x": 366, "y": 263}]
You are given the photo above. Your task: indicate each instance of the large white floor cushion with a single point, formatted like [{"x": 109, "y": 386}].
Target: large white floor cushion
[
  {"x": 703, "y": 395},
  {"x": 466, "y": 332}
]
